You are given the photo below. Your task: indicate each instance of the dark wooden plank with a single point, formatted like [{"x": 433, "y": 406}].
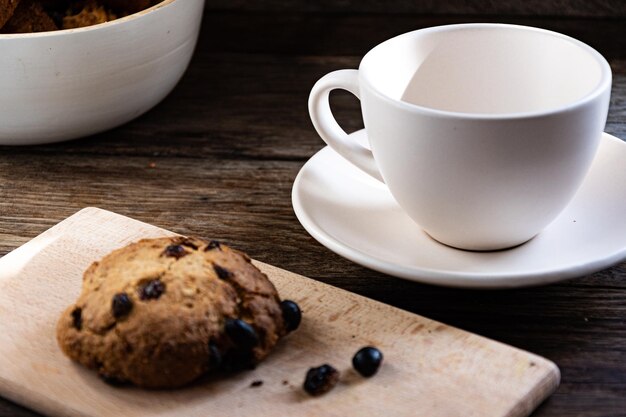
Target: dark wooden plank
[
  {"x": 579, "y": 324},
  {"x": 350, "y": 34},
  {"x": 595, "y": 8}
]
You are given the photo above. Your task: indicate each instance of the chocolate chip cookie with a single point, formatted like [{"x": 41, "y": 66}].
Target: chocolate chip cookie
[
  {"x": 91, "y": 13},
  {"x": 29, "y": 17},
  {"x": 7, "y": 7},
  {"x": 160, "y": 313}
]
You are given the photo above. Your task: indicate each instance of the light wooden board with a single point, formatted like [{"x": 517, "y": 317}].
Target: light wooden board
[{"x": 430, "y": 369}]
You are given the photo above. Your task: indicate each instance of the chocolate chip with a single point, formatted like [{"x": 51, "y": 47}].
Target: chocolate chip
[
  {"x": 112, "y": 380},
  {"x": 152, "y": 290},
  {"x": 367, "y": 361},
  {"x": 121, "y": 305},
  {"x": 175, "y": 251},
  {"x": 214, "y": 244},
  {"x": 241, "y": 333},
  {"x": 256, "y": 384},
  {"x": 320, "y": 380},
  {"x": 292, "y": 316},
  {"x": 238, "y": 360},
  {"x": 222, "y": 273},
  {"x": 77, "y": 317},
  {"x": 187, "y": 242},
  {"x": 215, "y": 356}
]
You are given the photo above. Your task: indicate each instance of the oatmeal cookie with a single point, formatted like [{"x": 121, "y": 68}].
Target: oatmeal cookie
[
  {"x": 90, "y": 13},
  {"x": 130, "y": 6},
  {"x": 7, "y": 8},
  {"x": 160, "y": 313},
  {"x": 29, "y": 16}
]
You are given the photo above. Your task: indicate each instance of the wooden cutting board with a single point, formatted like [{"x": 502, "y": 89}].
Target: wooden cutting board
[{"x": 430, "y": 369}]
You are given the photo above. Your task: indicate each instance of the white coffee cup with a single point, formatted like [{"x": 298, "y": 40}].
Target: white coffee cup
[{"x": 482, "y": 132}]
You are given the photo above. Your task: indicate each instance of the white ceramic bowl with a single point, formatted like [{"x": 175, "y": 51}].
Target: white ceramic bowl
[{"x": 68, "y": 84}]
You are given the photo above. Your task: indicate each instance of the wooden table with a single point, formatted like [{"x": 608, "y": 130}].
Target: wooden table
[{"x": 217, "y": 159}]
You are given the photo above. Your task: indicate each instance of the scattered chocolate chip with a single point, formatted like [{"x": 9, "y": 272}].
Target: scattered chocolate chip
[
  {"x": 152, "y": 290},
  {"x": 292, "y": 316},
  {"x": 77, "y": 317},
  {"x": 285, "y": 382},
  {"x": 222, "y": 273},
  {"x": 256, "y": 383},
  {"x": 367, "y": 361},
  {"x": 320, "y": 380},
  {"x": 121, "y": 305},
  {"x": 111, "y": 380},
  {"x": 241, "y": 333},
  {"x": 215, "y": 356},
  {"x": 214, "y": 244},
  {"x": 175, "y": 251}
]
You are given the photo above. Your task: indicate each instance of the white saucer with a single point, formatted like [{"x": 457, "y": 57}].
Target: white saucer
[{"x": 355, "y": 216}]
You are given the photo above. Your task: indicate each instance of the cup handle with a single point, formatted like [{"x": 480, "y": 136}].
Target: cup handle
[{"x": 328, "y": 128}]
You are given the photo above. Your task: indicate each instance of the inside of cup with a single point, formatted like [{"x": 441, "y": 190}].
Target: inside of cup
[{"x": 483, "y": 69}]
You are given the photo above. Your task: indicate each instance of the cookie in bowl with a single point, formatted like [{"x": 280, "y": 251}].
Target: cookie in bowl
[
  {"x": 32, "y": 16},
  {"x": 29, "y": 16},
  {"x": 66, "y": 84},
  {"x": 7, "y": 8},
  {"x": 160, "y": 313}
]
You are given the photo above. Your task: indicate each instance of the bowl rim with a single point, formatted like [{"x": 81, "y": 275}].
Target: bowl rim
[{"x": 97, "y": 26}]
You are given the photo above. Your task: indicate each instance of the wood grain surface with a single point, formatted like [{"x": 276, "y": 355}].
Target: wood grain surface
[
  {"x": 431, "y": 367},
  {"x": 595, "y": 8},
  {"x": 217, "y": 158}
]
